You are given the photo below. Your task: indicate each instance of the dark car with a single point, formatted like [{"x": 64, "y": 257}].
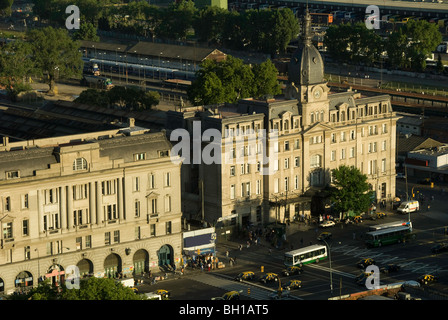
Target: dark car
[
  {"x": 293, "y": 284},
  {"x": 324, "y": 236},
  {"x": 247, "y": 275},
  {"x": 364, "y": 263},
  {"x": 425, "y": 181},
  {"x": 269, "y": 277},
  {"x": 292, "y": 271},
  {"x": 361, "y": 278},
  {"x": 390, "y": 268},
  {"x": 427, "y": 278},
  {"x": 440, "y": 247}
]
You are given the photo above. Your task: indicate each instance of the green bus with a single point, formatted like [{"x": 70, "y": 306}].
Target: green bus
[
  {"x": 306, "y": 255},
  {"x": 389, "y": 236}
]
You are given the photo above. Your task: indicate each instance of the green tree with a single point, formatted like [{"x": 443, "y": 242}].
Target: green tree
[
  {"x": 55, "y": 54},
  {"x": 350, "y": 190},
  {"x": 410, "y": 45},
  {"x": 353, "y": 43},
  {"x": 209, "y": 23},
  {"x": 5, "y": 7},
  {"x": 100, "y": 289},
  {"x": 87, "y": 31},
  {"x": 265, "y": 79},
  {"x": 176, "y": 20},
  {"x": 93, "y": 97},
  {"x": 231, "y": 80},
  {"x": 15, "y": 66}
]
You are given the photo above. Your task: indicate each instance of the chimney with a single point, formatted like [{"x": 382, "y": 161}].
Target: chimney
[{"x": 131, "y": 122}]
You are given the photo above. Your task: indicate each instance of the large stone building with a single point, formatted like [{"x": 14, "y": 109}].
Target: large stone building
[
  {"x": 316, "y": 131},
  {"x": 107, "y": 202}
]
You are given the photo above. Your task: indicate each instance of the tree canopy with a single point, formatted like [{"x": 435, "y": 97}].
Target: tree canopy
[
  {"x": 89, "y": 289},
  {"x": 55, "y": 54},
  {"x": 128, "y": 98},
  {"x": 407, "y": 47},
  {"x": 231, "y": 80},
  {"x": 15, "y": 66},
  {"x": 350, "y": 190}
]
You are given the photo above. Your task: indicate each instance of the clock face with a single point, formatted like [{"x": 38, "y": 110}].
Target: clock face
[{"x": 317, "y": 94}]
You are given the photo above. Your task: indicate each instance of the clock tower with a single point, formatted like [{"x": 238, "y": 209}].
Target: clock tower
[{"x": 306, "y": 78}]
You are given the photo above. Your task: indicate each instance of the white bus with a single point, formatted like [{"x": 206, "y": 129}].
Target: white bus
[
  {"x": 389, "y": 236},
  {"x": 306, "y": 255},
  {"x": 390, "y": 225}
]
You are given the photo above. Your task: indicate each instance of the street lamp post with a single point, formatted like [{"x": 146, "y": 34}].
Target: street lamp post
[{"x": 331, "y": 271}]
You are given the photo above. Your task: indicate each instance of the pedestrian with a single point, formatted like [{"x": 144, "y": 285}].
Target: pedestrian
[{"x": 429, "y": 207}]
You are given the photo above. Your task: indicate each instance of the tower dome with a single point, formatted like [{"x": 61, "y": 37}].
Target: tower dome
[{"x": 306, "y": 66}]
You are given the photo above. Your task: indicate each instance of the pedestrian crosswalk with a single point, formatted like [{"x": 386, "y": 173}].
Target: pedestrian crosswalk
[{"x": 246, "y": 289}]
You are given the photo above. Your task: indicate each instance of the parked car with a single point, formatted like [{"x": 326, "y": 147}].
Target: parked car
[
  {"x": 440, "y": 247},
  {"x": 292, "y": 271},
  {"x": 390, "y": 268},
  {"x": 247, "y": 275},
  {"x": 362, "y": 277},
  {"x": 364, "y": 263},
  {"x": 327, "y": 223},
  {"x": 269, "y": 277}
]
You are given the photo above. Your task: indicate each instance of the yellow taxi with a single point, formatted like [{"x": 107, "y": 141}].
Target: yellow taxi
[
  {"x": 292, "y": 284},
  {"x": 269, "y": 277},
  {"x": 380, "y": 215},
  {"x": 427, "y": 278},
  {"x": 231, "y": 295},
  {"x": 163, "y": 293},
  {"x": 247, "y": 275},
  {"x": 292, "y": 270}
]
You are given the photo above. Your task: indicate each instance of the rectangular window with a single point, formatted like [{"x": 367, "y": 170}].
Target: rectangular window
[
  {"x": 108, "y": 187},
  {"x": 154, "y": 206},
  {"x": 88, "y": 242},
  {"x": 25, "y": 227},
  {"x": 25, "y": 203},
  {"x": 110, "y": 212},
  {"x": 232, "y": 171},
  {"x": 117, "y": 236},
  {"x": 333, "y": 155},
  {"x": 297, "y": 162},
  {"x": 12, "y": 174},
  {"x": 383, "y": 165},
  {"x": 137, "y": 208},
  {"x": 152, "y": 181},
  {"x": 139, "y": 156},
  {"x": 80, "y": 191},
  {"x": 136, "y": 184},
  {"x": 78, "y": 241},
  {"x": 107, "y": 238},
  {"x": 7, "y": 230},
  {"x": 286, "y": 163},
  {"x": 167, "y": 203},
  {"x": 258, "y": 187},
  {"x": 232, "y": 191},
  {"x": 167, "y": 179},
  {"x": 153, "y": 230},
  {"x": 137, "y": 234},
  {"x": 168, "y": 227},
  {"x": 27, "y": 252},
  {"x": 352, "y": 152}
]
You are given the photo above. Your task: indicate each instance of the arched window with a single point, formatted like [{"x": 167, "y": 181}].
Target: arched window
[{"x": 80, "y": 164}]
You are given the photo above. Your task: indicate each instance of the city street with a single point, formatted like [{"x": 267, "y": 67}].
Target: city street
[{"x": 346, "y": 249}]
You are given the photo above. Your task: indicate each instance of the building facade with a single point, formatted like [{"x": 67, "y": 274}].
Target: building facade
[
  {"x": 106, "y": 202},
  {"x": 309, "y": 131}
]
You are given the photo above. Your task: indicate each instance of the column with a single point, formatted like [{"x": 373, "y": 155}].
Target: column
[
  {"x": 63, "y": 207},
  {"x": 70, "y": 206},
  {"x": 40, "y": 209},
  {"x": 99, "y": 203},
  {"x": 92, "y": 203},
  {"x": 120, "y": 198}
]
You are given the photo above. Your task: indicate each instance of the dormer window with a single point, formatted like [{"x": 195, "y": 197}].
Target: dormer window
[
  {"x": 12, "y": 174},
  {"x": 79, "y": 164}
]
